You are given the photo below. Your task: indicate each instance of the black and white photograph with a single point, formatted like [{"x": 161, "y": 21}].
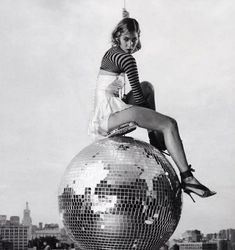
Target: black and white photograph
[{"x": 117, "y": 124}]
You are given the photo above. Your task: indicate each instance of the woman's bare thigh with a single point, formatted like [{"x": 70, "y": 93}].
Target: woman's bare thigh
[{"x": 144, "y": 117}]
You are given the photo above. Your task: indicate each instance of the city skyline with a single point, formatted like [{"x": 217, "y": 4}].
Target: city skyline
[
  {"x": 43, "y": 224},
  {"x": 40, "y": 223},
  {"x": 189, "y": 235},
  {"x": 16, "y": 235},
  {"x": 50, "y": 56}
]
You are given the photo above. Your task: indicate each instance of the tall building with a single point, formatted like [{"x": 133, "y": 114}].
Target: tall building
[{"x": 27, "y": 221}]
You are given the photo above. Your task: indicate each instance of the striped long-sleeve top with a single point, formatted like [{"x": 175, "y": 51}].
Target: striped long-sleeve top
[{"x": 117, "y": 61}]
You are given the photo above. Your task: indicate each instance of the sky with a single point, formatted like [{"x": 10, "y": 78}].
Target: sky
[{"x": 50, "y": 53}]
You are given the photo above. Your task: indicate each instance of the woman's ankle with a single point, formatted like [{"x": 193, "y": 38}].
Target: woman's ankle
[{"x": 187, "y": 174}]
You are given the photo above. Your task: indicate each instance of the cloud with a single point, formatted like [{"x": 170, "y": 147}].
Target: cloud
[{"x": 3, "y": 187}]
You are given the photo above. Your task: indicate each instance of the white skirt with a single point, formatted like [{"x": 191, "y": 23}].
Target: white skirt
[{"x": 107, "y": 101}]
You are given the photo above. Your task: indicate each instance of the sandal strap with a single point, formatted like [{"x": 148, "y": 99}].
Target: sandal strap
[
  {"x": 187, "y": 173},
  {"x": 196, "y": 186}
]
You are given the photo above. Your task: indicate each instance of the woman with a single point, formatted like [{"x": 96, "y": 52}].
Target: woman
[{"x": 112, "y": 109}]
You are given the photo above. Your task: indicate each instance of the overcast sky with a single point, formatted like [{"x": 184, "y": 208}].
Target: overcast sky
[{"x": 50, "y": 53}]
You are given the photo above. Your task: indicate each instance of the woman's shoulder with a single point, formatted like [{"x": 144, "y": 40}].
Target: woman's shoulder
[
  {"x": 117, "y": 55},
  {"x": 122, "y": 54},
  {"x": 118, "y": 50}
]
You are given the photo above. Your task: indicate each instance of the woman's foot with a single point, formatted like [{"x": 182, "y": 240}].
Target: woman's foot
[{"x": 191, "y": 185}]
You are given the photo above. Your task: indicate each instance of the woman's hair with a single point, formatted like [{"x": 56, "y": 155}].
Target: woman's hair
[{"x": 126, "y": 24}]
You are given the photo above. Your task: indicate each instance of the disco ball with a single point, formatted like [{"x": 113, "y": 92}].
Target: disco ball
[{"x": 120, "y": 193}]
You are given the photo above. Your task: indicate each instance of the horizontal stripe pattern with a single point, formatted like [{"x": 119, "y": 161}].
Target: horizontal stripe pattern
[{"x": 117, "y": 61}]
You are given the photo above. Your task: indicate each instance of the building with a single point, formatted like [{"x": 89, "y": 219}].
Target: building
[
  {"x": 198, "y": 246},
  {"x": 6, "y": 245},
  {"x": 15, "y": 220},
  {"x": 192, "y": 236},
  {"x": 16, "y": 234},
  {"x": 223, "y": 244},
  {"x": 49, "y": 230},
  {"x": 40, "y": 225},
  {"x": 211, "y": 236},
  {"x": 3, "y": 220},
  {"x": 27, "y": 221},
  {"x": 227, "y": 234}
]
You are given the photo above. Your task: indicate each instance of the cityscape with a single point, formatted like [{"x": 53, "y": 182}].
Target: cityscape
[{"x": 16, "y": 234}]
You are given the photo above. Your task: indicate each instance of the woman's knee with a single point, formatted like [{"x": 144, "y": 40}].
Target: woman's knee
[
  {"x": 147, "y": 87},
  {"x": 171, "y": 124}
]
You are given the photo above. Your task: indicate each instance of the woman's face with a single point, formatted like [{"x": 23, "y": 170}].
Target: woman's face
[{"x": 128, "y": 41}]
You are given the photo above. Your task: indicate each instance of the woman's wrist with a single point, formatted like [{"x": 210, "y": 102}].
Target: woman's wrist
[{"x": 144, "y": 104}]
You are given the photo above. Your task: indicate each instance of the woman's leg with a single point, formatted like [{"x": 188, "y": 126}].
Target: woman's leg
[
  {"x": 155, "y": 137},
  {"x": 163, "y": 134},
  {"x": 152, "y": 120},
  {"x": 148, "y": 92}
]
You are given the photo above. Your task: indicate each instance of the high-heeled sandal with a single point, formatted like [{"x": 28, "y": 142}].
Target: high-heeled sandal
[{"x": 186, "y": 186}]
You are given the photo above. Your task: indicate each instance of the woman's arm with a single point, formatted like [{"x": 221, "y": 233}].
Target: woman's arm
[{"x": 129, "y": 66}]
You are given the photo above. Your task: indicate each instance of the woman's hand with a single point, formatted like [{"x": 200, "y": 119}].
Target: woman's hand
[{"x": 117, "y": 83}]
